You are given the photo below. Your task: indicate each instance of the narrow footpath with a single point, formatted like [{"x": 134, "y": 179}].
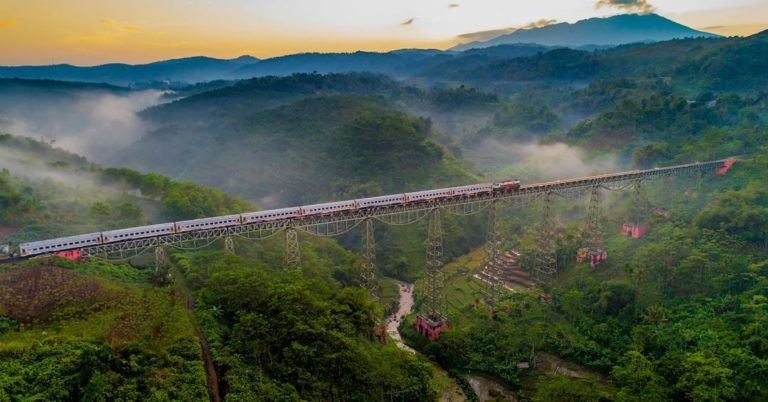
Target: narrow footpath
[{"x": 214, "y": 393}]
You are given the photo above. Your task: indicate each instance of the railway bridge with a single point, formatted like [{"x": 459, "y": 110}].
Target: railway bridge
[{"x": 337, "y": 221}]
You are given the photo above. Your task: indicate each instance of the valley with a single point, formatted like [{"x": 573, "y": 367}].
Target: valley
[{"x": 651, "y": 286}]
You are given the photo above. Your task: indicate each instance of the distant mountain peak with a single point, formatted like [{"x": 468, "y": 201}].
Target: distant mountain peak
[{"x": 600, "y": 31}]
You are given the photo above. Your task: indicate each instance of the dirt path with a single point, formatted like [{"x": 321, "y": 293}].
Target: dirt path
[
  {"x": 214, "y": 393},
  {"x": 210, "y": 368}
]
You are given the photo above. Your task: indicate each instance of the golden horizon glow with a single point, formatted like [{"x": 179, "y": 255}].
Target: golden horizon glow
[{"x": 139, "y": 31}]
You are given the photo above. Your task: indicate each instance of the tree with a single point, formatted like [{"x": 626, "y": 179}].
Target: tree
[
  {"x": 705, "y": 379},
  {"x": 637, "y": 380}
]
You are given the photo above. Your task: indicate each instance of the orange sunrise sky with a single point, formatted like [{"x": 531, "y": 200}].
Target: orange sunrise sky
[{"x": 88, "y": 32}]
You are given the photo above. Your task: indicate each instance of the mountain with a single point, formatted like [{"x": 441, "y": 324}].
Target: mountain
[
  {"x": 616, "y": 30},
  {"x": 396, "y": 63},
  {"x": 185, "y": 70}
]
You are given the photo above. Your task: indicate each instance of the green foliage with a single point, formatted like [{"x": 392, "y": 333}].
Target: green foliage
[
  {"x": 93, "y": 332},
  {"x": 637, "y": 379},
  {"x": 288, "y": 336},
  {"x": 557, "y": 388},
  {"x": 538, "y": 119},
  {"x": 85, "y": 198},
  {"x": 742, "y": 213},
  {"x": 460, "y": 97}
]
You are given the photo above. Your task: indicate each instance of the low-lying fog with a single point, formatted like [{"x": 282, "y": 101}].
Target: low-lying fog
[{"x": 93, "y": 124}]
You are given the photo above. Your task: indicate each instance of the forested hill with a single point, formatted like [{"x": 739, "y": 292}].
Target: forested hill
[
  {"x": 700, "y": 64},
  {"x": 317, "y": 146},
  {"x": 248, "y": 96},
  {"x": 48, "y": 192}
]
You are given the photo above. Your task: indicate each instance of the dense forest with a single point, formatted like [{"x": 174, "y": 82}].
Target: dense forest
[{"x": 680, "y": 313}]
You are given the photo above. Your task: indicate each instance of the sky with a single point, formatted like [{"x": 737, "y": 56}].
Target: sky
[{"x": 88, "y": 32}]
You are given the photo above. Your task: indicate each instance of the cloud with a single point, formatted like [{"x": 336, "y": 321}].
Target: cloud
[
  {"x": 407, "y": 22},
  {"x": 494, "y": 33},
  {"x": 453, "y": 5},
  {"x": 7, "y": 23},
  {"x": 539, "y": 24},
  {"x": 632, "y": 6},
  {"x": 484, "y": 35}
]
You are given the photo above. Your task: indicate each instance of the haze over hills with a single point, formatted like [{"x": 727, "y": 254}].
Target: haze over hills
[
  {"x": 401, "y": 64},
  {"x": 187, "y": 70},
  {"x": 611, "y": 31}
]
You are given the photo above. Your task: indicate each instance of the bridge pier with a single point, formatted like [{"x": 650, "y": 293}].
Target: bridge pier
[
  {"x": 545, "y": 263},
  {"x": 368, "y": 273},
  {"x": 636, "y": 226},
  {"x": 492, "y": 285},
  {"x": 229, "y": 244},
  {"x": 292, "y": 252},
  {"x": 161, "y": 257},
  {"x": 433, "y": 320},
  {"x": 594, "y": 251}
]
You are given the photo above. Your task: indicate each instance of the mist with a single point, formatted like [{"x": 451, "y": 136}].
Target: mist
[
  {"x": 531, "y": 161},
  {"x": 95, "y": 124},
  {"x": 35, "y": 170}
]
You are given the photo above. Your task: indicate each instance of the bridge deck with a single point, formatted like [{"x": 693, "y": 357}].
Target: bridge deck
[{"x": 403, "y": 213}]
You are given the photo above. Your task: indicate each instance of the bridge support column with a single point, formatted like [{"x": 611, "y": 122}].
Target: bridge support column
[
  {"x": 368, "y": 273},
  {"x": 493, "y": 285},
  {"x": 636, "y": 226},
  {"x": 229, "y": 244},
  {"x": 292, "y": 253},
  {"x": 545, "y": 263},
  {"x": 161, "y": 257},
  {"x": 433, "y": 321},
  {"x": 594, "y": 252}
]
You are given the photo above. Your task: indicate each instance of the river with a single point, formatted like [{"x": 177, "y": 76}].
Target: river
[
  {"x": 404, "y": 308},
  {"x": 482, "y": 385}
]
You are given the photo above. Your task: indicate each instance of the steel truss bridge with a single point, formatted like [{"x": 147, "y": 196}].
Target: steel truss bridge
[{"x": 337, "y": 223}]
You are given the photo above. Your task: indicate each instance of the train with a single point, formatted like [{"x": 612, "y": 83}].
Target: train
[{"x": 111, "y": 236}]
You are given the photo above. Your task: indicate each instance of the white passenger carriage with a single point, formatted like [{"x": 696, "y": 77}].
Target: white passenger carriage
[
  {"x": 328, "y": 207},
  {"x": 62, "y": 243},
  {"x": 473, "y": 189},
  {"x": 138, "y": 232},
  {"x": 428, "y": 195},
  {"x": 271, "y": 215},
  {"x": 207, "y": 223},
  {"x": 381, "y": 200}
]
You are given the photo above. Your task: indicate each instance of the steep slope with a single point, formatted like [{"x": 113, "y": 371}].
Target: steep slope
[
  {"x": 190, "y": 70},
  {"x": 249, "y": 96},
  {"x": 47, "y": 192},
  {"x": 314, "y": 149},
  {"x": 740, "y": 65},
  {"x": 616, "y": 30},
  {"x": 94, "y": 332},
  {"x": 564, "y": 66}
]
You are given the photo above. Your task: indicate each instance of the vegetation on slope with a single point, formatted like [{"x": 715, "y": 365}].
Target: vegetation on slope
[
  {"x": 48, "y": 192},
  {"x": 94, "y": 332}
]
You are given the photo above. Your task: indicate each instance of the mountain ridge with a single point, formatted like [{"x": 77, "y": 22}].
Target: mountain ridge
[
  {"x": 188, "y": 69},
  {"x": 623, "y": 29}
]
